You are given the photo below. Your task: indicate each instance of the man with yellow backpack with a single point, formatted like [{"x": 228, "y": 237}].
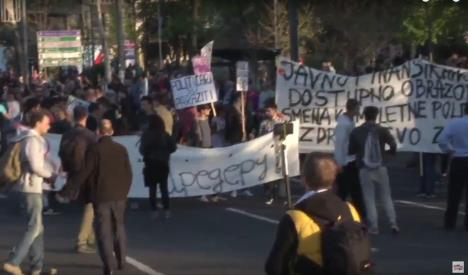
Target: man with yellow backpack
[{"x": 321, "y": 235}]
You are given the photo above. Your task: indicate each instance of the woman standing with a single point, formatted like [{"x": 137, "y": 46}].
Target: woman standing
[{"x": 156, "y": 147}]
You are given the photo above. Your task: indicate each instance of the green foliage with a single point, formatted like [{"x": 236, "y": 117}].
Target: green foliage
[{"x": 431, "y": 22}]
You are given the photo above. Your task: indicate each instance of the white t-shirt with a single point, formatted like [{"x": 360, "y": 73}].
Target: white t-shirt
[{"x": 343, "y": 130}]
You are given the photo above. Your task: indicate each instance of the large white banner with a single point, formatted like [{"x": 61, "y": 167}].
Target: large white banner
[
  {"x": 193, "y": 90},
  {"x": 415, "y": 101},
  {"x": 196, "y": 172}
]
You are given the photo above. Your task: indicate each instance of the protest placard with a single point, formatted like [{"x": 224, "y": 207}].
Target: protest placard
[
  {"x": 193, "y": 90},
  {"x": 201, "y": 64},
  {"x": 242, "y": 76}
]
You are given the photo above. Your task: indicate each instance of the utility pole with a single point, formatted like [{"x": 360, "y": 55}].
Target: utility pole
[
  {"x": 293, "y": 33},
  {"x": 275, "y": 22},
  {"x": 25, "y": 63},
  {"x": 121, "y": 38},
  {"x": 161, "y": 61},
  {"x": 196, "y": 3},
  {"x": 105, "y": 49}
]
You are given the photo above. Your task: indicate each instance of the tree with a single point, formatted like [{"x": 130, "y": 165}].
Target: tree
[
  {"x": 355, "y": 31},
  {"x": 428, "y": 23},
  {"x": 263, "y": 34}
]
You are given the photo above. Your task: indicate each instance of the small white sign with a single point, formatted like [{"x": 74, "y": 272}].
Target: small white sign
[
  {"x": 242, "y": 76},
  {"x": 458, "y": 267},
  {"x": 193, "y": 90}
]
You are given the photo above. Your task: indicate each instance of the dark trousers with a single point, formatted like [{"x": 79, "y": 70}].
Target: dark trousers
[
  {"x": 429, "y": 176},
  {"x": 156, "y": 173},
  {"x": 272, "y": 189},
  {"x": 349, "y": 186},
  {"x": 164, "y": 195},
  {"x": 458, "y": 176},
  {"x": 111, "y": 235}
]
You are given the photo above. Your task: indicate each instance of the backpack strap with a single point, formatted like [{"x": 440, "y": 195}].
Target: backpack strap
[
  {"x": 354, "y": 213},
  {"x": 308, "y": 236}
]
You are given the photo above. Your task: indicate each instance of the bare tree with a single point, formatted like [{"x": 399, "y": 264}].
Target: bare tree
[{"x": 263, "y": 35}]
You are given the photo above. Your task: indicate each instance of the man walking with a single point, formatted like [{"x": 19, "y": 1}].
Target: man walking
[
  {"x": 35, "y": 171},
  {"x": 348, "y": 178},
  {"x": 454, "y": 141},
  {"x": 73, "y": 147},
  {"x": 109, "y": 176},
  {"x": 368, "y": 142}
]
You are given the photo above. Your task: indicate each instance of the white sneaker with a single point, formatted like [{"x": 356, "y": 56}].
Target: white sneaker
[
  {"x": 50, "y": 212},
  {"x": 269, "y": 202},
  {"x": 234, "y": 194},
  {"x": 204, "y": 199},
  {"x": 61, "y": 199},
  {"x": 215, "y": 199},
  {"x": 247, "y": 193}
]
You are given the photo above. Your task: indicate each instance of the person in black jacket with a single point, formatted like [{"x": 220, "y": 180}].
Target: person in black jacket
[
  {"x": 73, "y": 147},
  {"x": 297, "y": 245},
  {"x": 108, "y": 173},
  {"x": 156, "y": 146},
  {"x": 233, "y": 133}
]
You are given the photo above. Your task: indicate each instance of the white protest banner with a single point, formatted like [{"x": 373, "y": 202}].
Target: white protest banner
[
  {"x": 242, "y": 76},
  {"x": 193, "y": 90},
  {"x": 415, "y": 101},
  {"x": 197, "y": 172}
]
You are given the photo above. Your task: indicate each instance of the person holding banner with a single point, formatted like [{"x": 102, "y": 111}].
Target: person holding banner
[
  {"x": 454, "y": 141},
  {"x": 368, "y": 143},
  {"x": 273, "y": 117},
  {"x": 348, "y": 178},
  {"x": 234, "y": 132},
  {"x": 204, "y": 136}
]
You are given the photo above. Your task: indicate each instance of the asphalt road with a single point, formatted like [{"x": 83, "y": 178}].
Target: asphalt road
[{"x": 233, "y": 237}]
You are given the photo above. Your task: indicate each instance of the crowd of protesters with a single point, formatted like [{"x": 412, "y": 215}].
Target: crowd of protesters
[
  {"x": 142, "y": 104},
  {"x": 139, "y": 105}
]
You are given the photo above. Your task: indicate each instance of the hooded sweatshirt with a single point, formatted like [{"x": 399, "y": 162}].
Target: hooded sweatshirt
[{"x": 34, "y": 149}]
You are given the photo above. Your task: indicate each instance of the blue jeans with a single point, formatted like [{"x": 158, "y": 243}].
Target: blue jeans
[
  {"x": 32, "y": 242},
  {"x": 375, "y": 181}
]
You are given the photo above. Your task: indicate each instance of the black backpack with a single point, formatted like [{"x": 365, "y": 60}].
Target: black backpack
[{"x": 346, "y": 248}]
